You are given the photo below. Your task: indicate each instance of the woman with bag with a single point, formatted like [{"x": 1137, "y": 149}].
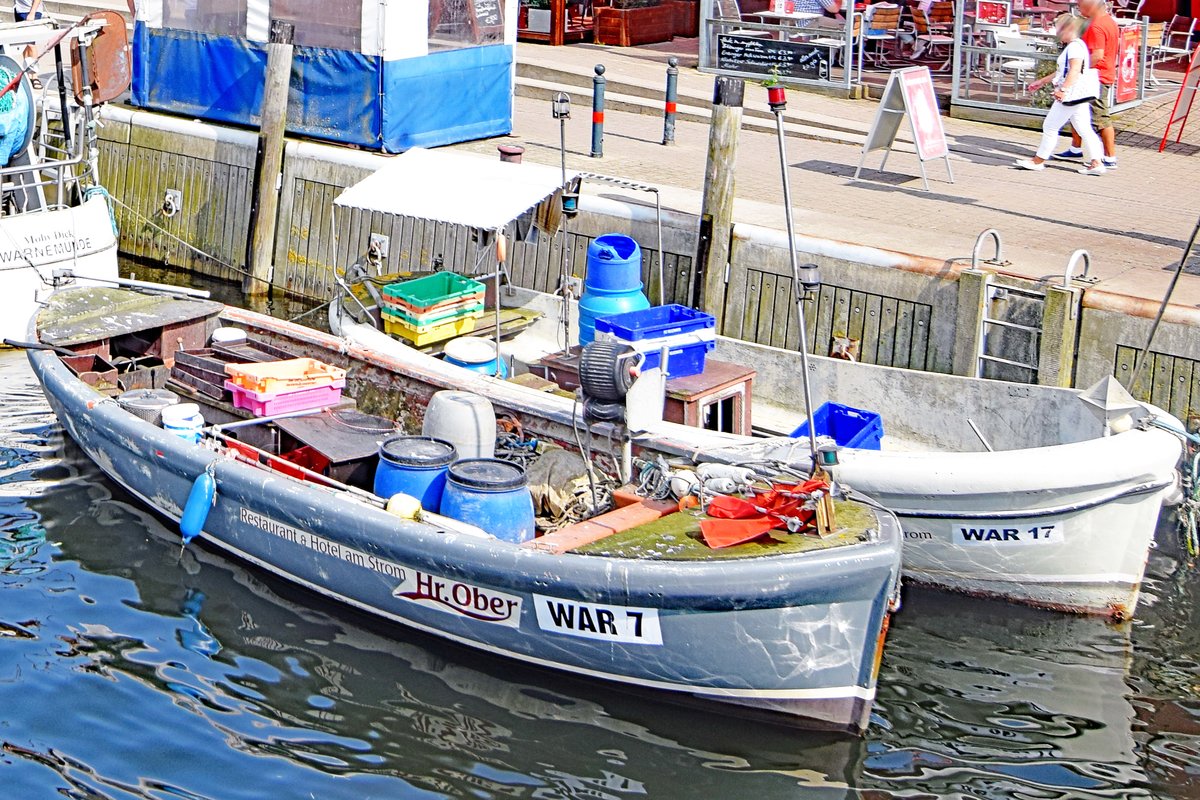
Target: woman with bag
[{"x": 1075, "y": 85}]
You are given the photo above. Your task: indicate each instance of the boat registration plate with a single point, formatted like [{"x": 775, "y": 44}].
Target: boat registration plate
[
  {"x": 628, "y": 624},
  {"x": 1007, "y": 533}
]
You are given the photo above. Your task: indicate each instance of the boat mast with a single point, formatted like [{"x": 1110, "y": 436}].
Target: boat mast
[{"x": 778, "y": 102}]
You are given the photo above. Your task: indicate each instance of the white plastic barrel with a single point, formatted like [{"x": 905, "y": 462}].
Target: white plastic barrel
[
  {"x": 228, "y": 336},
  {"x": 464, "y": 419},
  {"x": 184, "y": 420}
]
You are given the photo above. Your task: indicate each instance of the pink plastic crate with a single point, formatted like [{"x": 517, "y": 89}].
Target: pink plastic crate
[{"x": 264, "y": 405}]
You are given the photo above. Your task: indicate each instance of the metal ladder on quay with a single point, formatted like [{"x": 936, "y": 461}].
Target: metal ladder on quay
[{"x": 994, "y": 292}]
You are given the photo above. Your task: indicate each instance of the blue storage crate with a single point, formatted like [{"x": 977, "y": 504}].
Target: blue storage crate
[
  {"x": 682, "y": 361},
  {"x": 849, "y": 427},
  {"x": 655, "y": 323}
]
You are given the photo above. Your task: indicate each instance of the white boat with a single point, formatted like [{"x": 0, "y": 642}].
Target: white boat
[
  {"x": 1034, "y": 494},
  {"x": 55, "y": 215}
]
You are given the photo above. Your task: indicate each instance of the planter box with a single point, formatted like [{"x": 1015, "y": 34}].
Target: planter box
[
  {"x": 687, "y": 18},
  {"x": 634, "y": 26}
]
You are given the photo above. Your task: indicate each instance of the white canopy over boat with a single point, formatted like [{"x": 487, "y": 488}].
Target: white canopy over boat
[{"x": 455, "y": 188}]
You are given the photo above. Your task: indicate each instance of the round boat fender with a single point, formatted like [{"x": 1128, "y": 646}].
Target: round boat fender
[{"x": 201, "y": 499}]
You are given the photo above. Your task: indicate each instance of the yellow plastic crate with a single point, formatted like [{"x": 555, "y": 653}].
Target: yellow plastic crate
[
  {"x": 424, "y": 336},
  {"x": 271, "y": 377}
]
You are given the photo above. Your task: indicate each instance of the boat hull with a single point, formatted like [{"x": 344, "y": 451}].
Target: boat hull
[
  {"x": 1067, "y": 527},
  {"x": 1097, "y": 568},
  {"x": 1094, "y": 503},
  {"x": 34, "y": 244},
  {"x": 799, "y": 636}
]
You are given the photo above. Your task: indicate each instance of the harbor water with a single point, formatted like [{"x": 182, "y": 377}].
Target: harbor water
[{"x": 132, "y": 669}]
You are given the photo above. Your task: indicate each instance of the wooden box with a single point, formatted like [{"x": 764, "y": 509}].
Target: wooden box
[
  {"x": 626, "y": 27},
  {"x": 687, "y": 18}
]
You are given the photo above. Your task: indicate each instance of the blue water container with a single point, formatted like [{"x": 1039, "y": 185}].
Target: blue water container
[
  {"x": 414, "y": 465},
  {"x": 613, "y": 284},
  {"x": 492, "y": 495},
  {"x": 476, "y": 354}
]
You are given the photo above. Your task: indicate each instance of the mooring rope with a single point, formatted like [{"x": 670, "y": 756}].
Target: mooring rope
[{"x": 203, "y": 254}]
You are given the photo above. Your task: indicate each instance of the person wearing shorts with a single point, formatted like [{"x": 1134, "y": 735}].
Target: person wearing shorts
[{"x": 1103, "y": 43}]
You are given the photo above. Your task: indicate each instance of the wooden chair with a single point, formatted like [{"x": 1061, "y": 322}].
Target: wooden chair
[
  {"x": 1129, "y": 12},
  {"x": 729, "y": 11},
  {"x": 937, "y": 45},
  {"x": 882, "y": 26},
  {"x": 836, "y": 44},
  {"x": 941, "y": 16}
]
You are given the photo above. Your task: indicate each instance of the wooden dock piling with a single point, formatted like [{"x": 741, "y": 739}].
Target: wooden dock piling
[
  {"x": 268, "y": 167},
  {"x": 716, "y": 213}
]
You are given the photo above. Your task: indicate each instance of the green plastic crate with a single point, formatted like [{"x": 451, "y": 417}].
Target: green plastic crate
[
  {"x": 435, "y": 317},
  {"x": 423, "y": 294}
]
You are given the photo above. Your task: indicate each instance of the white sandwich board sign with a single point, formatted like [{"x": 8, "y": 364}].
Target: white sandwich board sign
[{"x": 908, "y": 92}]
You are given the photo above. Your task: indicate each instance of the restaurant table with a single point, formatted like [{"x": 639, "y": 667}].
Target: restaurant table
[
  {"x": 795, "y": 18},
  {"x": 1045, "y": 12}
]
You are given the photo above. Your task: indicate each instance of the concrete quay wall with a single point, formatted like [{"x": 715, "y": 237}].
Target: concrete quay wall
[{"x": 885, "y": 307}]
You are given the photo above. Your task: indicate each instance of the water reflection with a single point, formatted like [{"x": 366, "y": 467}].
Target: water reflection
[
  {"x": 128, "y": 670},
  {"x": 1009, "y": 701}
]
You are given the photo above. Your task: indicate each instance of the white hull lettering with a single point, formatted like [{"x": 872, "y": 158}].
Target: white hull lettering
[
  {"x": 627, "y": 624},
  {"x": 321, "y": 545}
]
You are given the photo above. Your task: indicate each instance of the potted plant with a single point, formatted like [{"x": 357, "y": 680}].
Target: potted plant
[{"x": 776, "y": 94}]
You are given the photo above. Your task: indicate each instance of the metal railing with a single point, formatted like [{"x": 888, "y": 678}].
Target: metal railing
[
  {"x": 47, "y": 165},
  {"x": 996, "y": 78}
]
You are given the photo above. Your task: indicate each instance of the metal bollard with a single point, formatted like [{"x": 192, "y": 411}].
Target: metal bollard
[
  {"x": 598, "y": 112},
  {"x": 672, "y": 96}
]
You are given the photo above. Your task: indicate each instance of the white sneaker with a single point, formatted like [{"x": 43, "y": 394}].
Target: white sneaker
[
  {"x": 1099, "y": 169},
  {"x": 1030, "y": 164}
]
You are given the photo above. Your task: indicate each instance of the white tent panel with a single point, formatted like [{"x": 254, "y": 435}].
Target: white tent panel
[
  {"x": 405, "y": 29},
  {"x": 150, "y": 13},
  {"x": 371, "y": 23},
  {"x": 454, "y": 187},
  {"x": 258, "y": 20}
]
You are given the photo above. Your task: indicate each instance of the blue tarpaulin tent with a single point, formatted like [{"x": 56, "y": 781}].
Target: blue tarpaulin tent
[{"x": 382, "y": 75}]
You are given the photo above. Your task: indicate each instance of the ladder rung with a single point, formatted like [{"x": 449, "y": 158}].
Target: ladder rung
[
  {"x": 999, "y": 360},
  {"x": 1018, "y": 290},
  {"x": 1015, "y": 326}
]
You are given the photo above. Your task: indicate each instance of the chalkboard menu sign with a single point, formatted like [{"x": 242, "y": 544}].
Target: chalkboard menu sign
[
  {"x": 770, "y": 56},
  {"x": 487, "y": 17}
]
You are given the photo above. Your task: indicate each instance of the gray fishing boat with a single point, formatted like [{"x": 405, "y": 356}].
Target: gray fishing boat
[{"x": 790, "y": 624}]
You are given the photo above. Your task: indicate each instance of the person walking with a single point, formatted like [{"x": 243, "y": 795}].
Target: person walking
[
  {"x": 1074, "y": 86},
  {"x": 1103, "y": 43},
  {"x": 27, "y": 10}
]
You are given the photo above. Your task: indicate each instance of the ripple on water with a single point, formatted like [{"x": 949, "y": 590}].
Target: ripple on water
[{"x": 128, "y": 672}]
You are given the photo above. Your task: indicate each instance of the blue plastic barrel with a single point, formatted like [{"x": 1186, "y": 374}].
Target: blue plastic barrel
[
  {"x": 414, "y": 465},
  {"x": 613, "y": 284},
  {"x": 492, "y": 495}
]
